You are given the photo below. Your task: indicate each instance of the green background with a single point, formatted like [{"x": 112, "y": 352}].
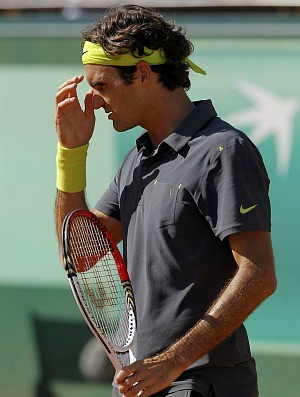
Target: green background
[{"x": 32, "y": 282}]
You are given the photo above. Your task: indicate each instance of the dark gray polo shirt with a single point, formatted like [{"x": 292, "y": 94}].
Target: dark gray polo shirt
[{"x": 177, "y": 205}]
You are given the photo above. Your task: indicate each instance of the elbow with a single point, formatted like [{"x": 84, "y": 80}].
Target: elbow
[
  {"x": 269, "y": 283},
  {"x": 272, "y": 284}
]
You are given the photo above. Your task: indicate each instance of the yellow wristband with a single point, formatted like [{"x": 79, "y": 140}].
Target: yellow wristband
[{"x": 71, "y": 168}]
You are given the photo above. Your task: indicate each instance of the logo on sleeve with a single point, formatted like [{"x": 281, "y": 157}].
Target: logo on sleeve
[{"x": 246, "y": 210}]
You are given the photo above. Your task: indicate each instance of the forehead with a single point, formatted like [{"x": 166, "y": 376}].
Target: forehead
[{"x": 99, "y": 73}]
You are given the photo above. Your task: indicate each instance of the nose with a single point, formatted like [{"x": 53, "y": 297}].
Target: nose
[{"x": 97, "y": 100}]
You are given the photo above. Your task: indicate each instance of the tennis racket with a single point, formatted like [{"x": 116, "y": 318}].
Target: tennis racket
[{"x": 100, "y": 283}]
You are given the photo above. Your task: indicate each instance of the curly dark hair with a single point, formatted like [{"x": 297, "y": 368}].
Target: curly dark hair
[{"x": 131, "y": 28}]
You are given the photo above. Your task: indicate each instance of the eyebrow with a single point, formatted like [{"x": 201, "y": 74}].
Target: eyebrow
[{"x": 96, "y": 83}]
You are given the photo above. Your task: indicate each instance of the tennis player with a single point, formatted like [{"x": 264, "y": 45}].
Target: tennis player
[{"x": 190, "y": 202}]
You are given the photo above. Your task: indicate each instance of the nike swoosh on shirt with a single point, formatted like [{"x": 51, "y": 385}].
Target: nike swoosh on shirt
[{"x": 245, "y": 210}]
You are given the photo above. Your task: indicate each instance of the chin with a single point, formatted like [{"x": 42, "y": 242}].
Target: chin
[
  {"x": 123, "y": 128},
  {"x": 120, "y": 129}
]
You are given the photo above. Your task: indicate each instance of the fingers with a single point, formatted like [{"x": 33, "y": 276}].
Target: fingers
[
  {"x": 125, "y": 378},
  {"x": 73, "y": 80},
  {"x": 88, "y": 104},
  {"x": 124, "y": 373},
  {"x": 132, "y": 383},
  {"x": 67, "y": 90},
  {"x": 130, "y": 389},
  {"x": 137, "y": 390},
  {"x": 66, "y": 93},
  {"x": 74, "y": 127},
  {"x": 64, "y": 98},
  {"x": 147, "y": 377},
  {"x": 92, "y": 102}
]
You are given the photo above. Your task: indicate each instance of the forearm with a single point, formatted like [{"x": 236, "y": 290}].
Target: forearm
[
  {"x": 253, "y": 282},
  {"x": 243, "y": 294},
  {"x": 74, "y": 127},
  {"x": 248, "y": 288},
  {"x": 70, "y": 182},
  {"x": 65, "y": 203}
]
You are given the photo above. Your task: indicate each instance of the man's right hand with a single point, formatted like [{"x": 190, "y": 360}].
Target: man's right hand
[{"x": 74, "y": 126}]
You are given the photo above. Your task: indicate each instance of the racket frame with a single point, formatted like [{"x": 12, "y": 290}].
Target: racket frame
[{"x": 110, "y": 349}]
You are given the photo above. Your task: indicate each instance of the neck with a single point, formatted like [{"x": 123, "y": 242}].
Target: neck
[{"x": 167, "y": 111}]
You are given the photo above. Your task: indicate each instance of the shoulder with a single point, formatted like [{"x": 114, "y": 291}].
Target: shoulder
[
  {"x": 219, "y": 131},
  {"x": 220, "y": 137}
]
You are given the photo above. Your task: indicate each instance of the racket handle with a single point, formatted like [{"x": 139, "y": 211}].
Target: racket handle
[{"x": 115, "y": 362}]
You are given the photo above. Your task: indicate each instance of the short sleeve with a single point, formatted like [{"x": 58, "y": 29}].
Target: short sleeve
[
  {"x": 234, "y": 192},
  {"x": 109, "y": 202}
]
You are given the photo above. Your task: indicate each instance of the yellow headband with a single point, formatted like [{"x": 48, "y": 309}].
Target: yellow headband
[{"x": 94, "y": 54}]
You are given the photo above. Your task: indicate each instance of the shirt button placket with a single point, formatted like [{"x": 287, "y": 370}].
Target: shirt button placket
[{"x": 145, "y": 168}]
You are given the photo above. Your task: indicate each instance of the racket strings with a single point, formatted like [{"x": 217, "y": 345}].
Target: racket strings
[{"x": 99, "y": 280}]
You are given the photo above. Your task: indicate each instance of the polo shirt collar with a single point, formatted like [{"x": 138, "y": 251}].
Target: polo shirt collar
[{"x": 194, "y": 122}]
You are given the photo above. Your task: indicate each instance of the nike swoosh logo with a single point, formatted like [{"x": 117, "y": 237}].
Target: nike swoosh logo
[{"x": 245, "y": 210}]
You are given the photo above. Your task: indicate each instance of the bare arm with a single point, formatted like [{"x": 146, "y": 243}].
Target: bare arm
[
  {"x": 67, "y": 202},
  {"x": 253, "y": 282},
  {"x": 74, "y": 128}
]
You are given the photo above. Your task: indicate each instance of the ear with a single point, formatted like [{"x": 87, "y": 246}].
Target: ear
[{"x": 144, "y": 73}]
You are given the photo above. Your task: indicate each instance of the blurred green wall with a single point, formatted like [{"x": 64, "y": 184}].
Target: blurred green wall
[{"x": 253, "y": 81}]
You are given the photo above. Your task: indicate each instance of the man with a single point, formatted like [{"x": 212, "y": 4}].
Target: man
[{"x": 190, "y": 202}]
